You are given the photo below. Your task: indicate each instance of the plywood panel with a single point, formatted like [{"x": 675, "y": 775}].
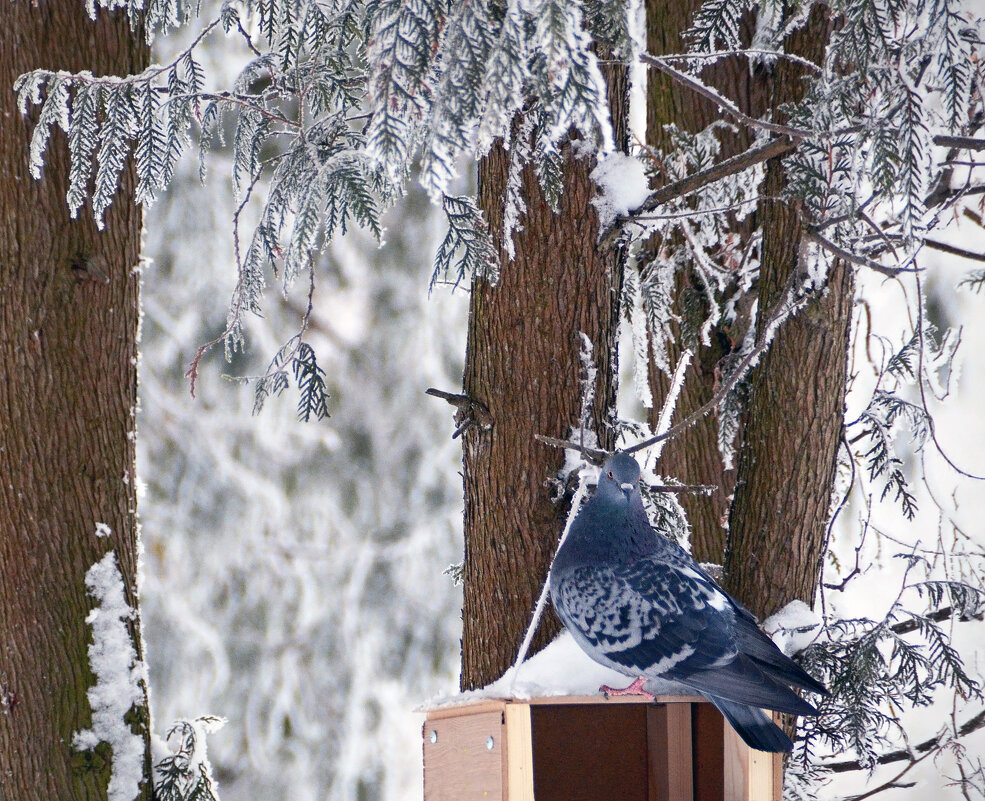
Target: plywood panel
[
  {"x": 669, "y": 745},
  {"x": 590, "y": 752},
  {"x": 708, "y": 738},
  {"x": 463, "y": 758}
]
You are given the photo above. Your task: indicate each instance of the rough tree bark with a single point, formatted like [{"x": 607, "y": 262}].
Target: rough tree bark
[
  {"x": 522, "y": 366},
  {"x": 68, "y": 328},
  {"x": 695, "y": 457},
  {"x": 787, "y": 459}
]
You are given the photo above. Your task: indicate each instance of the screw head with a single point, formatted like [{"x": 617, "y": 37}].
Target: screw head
[
  {"x": 433, "y": 736},
  {"x": 490, "y": 743}
]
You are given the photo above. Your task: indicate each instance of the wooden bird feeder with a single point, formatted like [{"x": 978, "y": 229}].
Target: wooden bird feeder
[{"x": 592, "y": 749}]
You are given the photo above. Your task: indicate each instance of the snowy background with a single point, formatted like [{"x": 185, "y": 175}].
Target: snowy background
[{"x": 293, "y": 577}]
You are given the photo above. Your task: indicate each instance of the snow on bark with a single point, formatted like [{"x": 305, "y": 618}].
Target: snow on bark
[
  {"x": 794, "y": 627},
  {"x": 624, "y": 185},
  {"x": 119, "y": 673}
]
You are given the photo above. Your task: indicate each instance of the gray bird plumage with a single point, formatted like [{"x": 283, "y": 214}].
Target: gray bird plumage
[{"x": 638, "y": 603}]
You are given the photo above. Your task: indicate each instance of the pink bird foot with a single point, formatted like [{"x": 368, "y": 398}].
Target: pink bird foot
[{"x": 636, "y": 688}]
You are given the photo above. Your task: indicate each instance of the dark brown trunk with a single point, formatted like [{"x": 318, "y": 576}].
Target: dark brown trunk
[
  {"x": 68, "y": 328},
  {"x": 787, "y": 461},
  {"x": 695, "y": 457},
  {"x": 522, "y": 365}
]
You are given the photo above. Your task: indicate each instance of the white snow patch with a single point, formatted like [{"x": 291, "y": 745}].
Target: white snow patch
[
  {"x": 118, "y": 673},
  {"x": 102, "y": 530},
  {"x": 561, "y": 669},
  {"x": 793, "y": 628},
  {"x": 624, "y": 185}
]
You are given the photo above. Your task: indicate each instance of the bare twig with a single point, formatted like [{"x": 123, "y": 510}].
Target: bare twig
[
  {"x": 944, "y": 613},
  {"x": 470, "y": 412},
  {"x": 893, "y": 784},
  {"x": 752, "y": 52},
  {"x": 594, "y": 455},
  {"x": 699, "y": 489}
]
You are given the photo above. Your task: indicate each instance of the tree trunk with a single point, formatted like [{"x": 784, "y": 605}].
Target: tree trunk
[
  {"x": 793, "y": 427},
  {"x": 68, "y": 354},
  {"x": 522, "y": 365},
  {"x": 695, "y": 457}
]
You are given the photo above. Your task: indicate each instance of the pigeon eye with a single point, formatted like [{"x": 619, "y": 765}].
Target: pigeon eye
[{"x": 610, "y": 475}]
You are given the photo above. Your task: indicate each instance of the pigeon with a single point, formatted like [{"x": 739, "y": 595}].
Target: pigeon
[{"x": 638, "y": 603}]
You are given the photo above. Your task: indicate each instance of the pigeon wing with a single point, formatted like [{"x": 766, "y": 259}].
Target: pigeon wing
[{"x": 647, "y": 617}]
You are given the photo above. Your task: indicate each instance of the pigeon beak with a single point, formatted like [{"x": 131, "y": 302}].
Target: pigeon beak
[{"x": 627, "y": 488}]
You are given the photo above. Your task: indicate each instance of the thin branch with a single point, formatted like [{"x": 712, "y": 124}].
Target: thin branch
[
  {"x": 937, "y": 616},
  {"x": 718, "y": 54},
  {"x": 892, "y": 784},
  {"x": 670, "y": 400},
  {"x": 698, "y": 489},
  {"x": 594, "y": 455},
  {"x": 545, "y": 589},
  {"x": 831, "y": 523}
]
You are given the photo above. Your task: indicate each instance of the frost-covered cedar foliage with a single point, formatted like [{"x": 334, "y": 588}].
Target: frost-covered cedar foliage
[{"x": 340, "y": 104}]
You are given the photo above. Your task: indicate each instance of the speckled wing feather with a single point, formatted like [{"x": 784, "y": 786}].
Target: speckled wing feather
[{"x": 646, "y": 617}]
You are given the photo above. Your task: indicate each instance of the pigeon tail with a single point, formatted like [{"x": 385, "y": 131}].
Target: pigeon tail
[
  {"x": 770, "y": 659},
  {"x": 754, "y": 726},
  {"x": 742, "y": 681}
]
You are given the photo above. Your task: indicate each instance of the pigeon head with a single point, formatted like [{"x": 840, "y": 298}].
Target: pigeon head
[{"x": 619, "y": 478}]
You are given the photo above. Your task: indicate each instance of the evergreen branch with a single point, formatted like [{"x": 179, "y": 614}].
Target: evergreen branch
[
  {"x": 468, "y": 235},
  {"x": 310, "y": 379}
]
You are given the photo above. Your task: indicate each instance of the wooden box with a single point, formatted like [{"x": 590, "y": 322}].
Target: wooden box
[{"x": 592, "y": 749}]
